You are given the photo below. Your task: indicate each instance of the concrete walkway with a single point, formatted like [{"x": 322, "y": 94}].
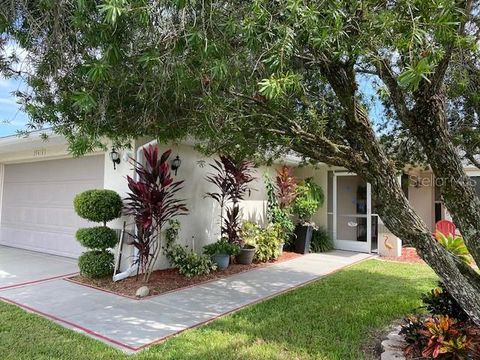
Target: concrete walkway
[
  {"x": 134, "y": 324},
  {"x": 20, "y": 267}
]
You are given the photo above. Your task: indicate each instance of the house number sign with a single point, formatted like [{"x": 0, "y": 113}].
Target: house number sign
[{"x": 40, "y": 152}]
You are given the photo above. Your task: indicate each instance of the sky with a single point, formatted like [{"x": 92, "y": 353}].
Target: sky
[{"x": 11, "y": 118}]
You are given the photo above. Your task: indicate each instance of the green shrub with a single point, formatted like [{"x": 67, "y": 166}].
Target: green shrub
[
  {"x": 221, "y": 246},
  {"x": 321, "y": 241},
  {"x": 455, "y": 245},
  {"x": 282, "y": 218},
  {"x": 185, "y": 260},
  {"x": 100, "y": 237},
  {"x": 96, "y": 264},
  {"x": 171, "y": 233},
  {"x": 315, "y": 191},
  {"x": 250, "y": 232},
  {"x": 98, "y": 205},
  {"x": 266, "y": 241},
  {"x": 304, "y": 206},
  {"x": 188, "y": 262},
  {"x": 439, "y": 302}
]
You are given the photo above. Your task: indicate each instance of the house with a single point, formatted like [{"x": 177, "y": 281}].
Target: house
[{"x": 38, "y": 180}]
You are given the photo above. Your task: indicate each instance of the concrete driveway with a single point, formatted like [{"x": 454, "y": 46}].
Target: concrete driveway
[{"x": 22, "y": 267}]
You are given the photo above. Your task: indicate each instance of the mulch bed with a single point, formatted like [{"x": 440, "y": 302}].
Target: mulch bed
[
  {"x": 162, "y": 281},
  {"x": 409, "y": 255}
]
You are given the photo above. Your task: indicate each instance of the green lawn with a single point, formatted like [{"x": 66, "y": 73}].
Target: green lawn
[{"x": 333, "y": 318}]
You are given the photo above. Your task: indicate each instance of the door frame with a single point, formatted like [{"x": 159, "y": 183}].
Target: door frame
[{"x": 351, "y": 245}]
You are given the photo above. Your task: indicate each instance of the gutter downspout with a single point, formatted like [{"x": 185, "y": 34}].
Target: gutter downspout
[{"x": 133, "y": 267}]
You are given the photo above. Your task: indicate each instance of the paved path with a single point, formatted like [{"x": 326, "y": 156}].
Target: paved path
[
  {"x": 20, "y": 267},
  {"x": 134, "y": 324}
]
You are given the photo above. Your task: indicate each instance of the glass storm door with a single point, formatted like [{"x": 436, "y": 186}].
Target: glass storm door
[{"x": 352, "y": 213}]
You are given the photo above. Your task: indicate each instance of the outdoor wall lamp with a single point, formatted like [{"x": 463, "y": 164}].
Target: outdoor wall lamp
[
  {"x": 176, "y": 164},
  {"x": 115, "y": 157}
]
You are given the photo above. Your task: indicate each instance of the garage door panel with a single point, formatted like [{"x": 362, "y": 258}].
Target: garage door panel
[
  {"x": 27, "y": 194},
  {"x": 37, "y": 208},
  {"x": 54, "y": 170},
  {"x": 34, "y": 239},
  {"x": 55, "y": 219}
]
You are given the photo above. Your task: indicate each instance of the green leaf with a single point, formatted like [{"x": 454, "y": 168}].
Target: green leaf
[
  {"x": 98, "y": 71},
  {"x": 112, "y": 10},
  {"x": 413, "y": 75},
  {"x": 84, "y": 101},
  {"x": 274, "y": 86}
]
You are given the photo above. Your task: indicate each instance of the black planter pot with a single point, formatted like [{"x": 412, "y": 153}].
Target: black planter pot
[
  {"x": 246, "y": 255},
  {"x": 303, "y": 237}
]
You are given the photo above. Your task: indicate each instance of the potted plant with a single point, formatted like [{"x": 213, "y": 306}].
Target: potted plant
[
  {"x": 250, "y": 232},
  {"x": 221, "y": 251},
  {"x": 309, "y": 199}
]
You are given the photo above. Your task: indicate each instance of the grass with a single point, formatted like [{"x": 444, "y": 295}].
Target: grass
[{"x": 333, "y": 318}]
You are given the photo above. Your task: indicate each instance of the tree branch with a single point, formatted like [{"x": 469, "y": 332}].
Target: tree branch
[
  {"x": 315, "y": 146},
  {"x": 438, "y": 76},
  {"x": 397, "y": 95}
]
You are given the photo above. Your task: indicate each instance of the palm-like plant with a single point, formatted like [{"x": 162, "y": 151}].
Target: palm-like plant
[
  {"x": 454, "y": 244},
  {"x": 152, "y": 202},
  {"x": 286, "y": 186},
  {"x": 232, "y": 178}
]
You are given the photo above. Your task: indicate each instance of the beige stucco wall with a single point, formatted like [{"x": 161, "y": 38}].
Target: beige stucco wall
[
  {"x": 422, "y": 196},
  {"x": 201, "y": 226}
]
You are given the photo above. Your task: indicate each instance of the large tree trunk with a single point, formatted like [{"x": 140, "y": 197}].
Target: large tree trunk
[
  {"x": 394, "y": 208},
  {"x": 463, "y": 282},
  {"x": 455, "y": 185}
]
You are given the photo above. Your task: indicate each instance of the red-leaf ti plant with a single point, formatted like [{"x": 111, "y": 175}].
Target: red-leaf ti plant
[
  {"x": 232, "y": 178},
  {"x": 152, "y": 202},
  {"x": 286, "y": 186}
]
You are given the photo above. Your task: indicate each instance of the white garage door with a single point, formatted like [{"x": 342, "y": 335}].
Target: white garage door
[{"x": 37, "y": 206}]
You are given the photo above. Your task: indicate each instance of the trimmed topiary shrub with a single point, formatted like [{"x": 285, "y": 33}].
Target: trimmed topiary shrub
[
  {"x": 98, "y": 205},
  {"x": 99, "y": 237},
  {"x": 96, "y": 264}
]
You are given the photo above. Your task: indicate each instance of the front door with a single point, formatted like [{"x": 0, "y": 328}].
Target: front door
[{"x": 352, "y": 213}]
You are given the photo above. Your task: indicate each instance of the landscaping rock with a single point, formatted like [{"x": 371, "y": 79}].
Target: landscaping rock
[
  {"x": 142, "y": 292},
  {"x": 393, "y": 346}
]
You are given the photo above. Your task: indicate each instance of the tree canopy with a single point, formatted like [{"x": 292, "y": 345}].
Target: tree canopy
[
  {"x": 261, "y": 78},
  {"x": 223, "y": 70}
]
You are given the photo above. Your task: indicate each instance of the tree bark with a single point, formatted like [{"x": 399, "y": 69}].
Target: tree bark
[
  {"x": 455, "y": 185},
  {"x": 393, "y": 206}
]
